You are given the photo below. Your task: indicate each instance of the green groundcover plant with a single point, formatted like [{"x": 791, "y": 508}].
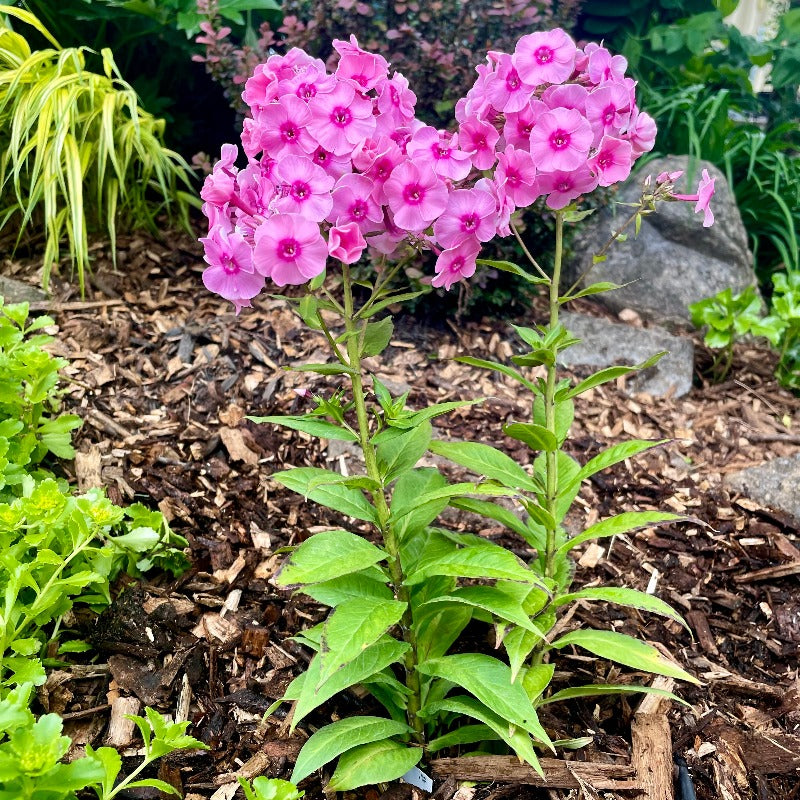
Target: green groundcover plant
[
  {"x": 78, "y": 150},
  {"x": 339, "y": 167},
  {"x": 729, "y": 317}
]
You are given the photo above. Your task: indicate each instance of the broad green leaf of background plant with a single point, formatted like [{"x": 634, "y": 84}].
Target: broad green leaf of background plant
[
  {"x": 377, "y": 762},
  {"x": 621, "y": 523},
  {"x": 483, "y": 459},
  {"x": 624, "y": 597},
  {"x": 312, "y": 425},
  {"x": 350, "y": 502}
]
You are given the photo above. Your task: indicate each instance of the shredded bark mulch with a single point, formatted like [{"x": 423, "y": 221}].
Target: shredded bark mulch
[{"x": 164, "y": 375}]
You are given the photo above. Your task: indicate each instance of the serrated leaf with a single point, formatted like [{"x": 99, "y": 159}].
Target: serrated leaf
[
  {"x": 378, "y": 762},
  {"x": 307, "y": 480},
  {"x": 489, "y": 680},
  {"x": 621, "y": 523},
  {"x": 327, "y": 555},
  {"x": 351, "y": 628},
  {"x": 623, "y": 649},
  {"x": 345, "y": 734},
  {"x": 624, "y": 597},
  {"x": 311, "y": 425}
]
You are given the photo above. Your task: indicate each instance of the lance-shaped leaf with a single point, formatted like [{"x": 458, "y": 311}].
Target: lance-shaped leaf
[
  {"x": 624, "y": 649},
  {"x": 313, "y": 425},
  {"x": 496, "y": 367},
  {"x": 485, "y": 460},
  {"x": 348, "y": 587},
  {"x": 624, "y": 597},
  {"x": 399, "y": 453},
  {"x": 466, "y": 734},
  {"x": 621, "y": 523},
  {"x": 327, "y": 555},
  {"x": 537, "y": 437},
  {"x": 609, "y": 374},
  {"x": 490, "y": 681},
  {"x": 377, "y": 336},
  {"x": 351, "y": 628},
  {"x": 324, "y": 369},
  {"x": 514, "y": 269},
  {"x": 306, "y": 481},
  {"x": 564, "y": 415},
  {"x": 598, "y": 689},
  {"x": 536, "y": 679},
  {"x": 345, "y": 734},
  {"x": 518, "y": 740},
  {"x": 378, "y": 762},
  {"x": 492, "y": 511}
]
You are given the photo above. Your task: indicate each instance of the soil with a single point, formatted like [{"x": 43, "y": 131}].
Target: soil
[{"x": 164, "y": 374}]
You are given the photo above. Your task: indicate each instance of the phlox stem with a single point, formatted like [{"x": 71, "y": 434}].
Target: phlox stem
[{"x": 528, "y": 254}]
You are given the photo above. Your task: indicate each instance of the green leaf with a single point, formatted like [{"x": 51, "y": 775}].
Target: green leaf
[
  {"x": 595, "y": 288},
  {"x": 598, "y": 689},
  {"x": 516, "y": 738},
  {"x": 508, "y": 266},
  {"x": 564, "y": 415},
  {"x": 609, "y": 374},
  {"x": 307, "y": 481},
  {"x": 348, "y": 587},
  {"x": 537, "y": 437},
  {"x": 438, "y": 628},
  {"x": 613, "y": 455},
  {"x": 374, "y": 659},
  {"x": 536, "y": 679},
  {"x": 312, "y": 425},
  {"x": 401, "y": 452},
  {"x": 327, "y": 555},
  {"x": 416, "y": 501},
  {"x": 624, "y": 597},
  {"x": 377, "y": 336},
  {"x": 518, "y": 644},
  {"x": 353, "y": 626},
  {"x": 378, "y": 762},
  {"x": 502, "y": 368},
  {"x": 621, "y": 523},
  {"x": 466, "y": 734},
  {"x": 345, "y": 734},
  {"x": 489, "y": 680},
  {"x": 324, "y": 369},
  {"x": 623, "y": 649},
  {"x": 483, "y": 459},
  {"x": 493, "y": 511},
  {"x": 500, "y": 601}
]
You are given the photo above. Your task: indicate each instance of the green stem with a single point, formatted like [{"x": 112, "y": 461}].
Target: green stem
[
  {"x": 551, "y": 457},
  {"x": 390, "y": 541},
  {"x": 528, "y": 253}
]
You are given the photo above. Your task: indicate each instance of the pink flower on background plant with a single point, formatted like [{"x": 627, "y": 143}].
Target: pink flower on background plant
[
  {"x": 479, "y": 138},
  {"x": 545, "y": 57},
  {"x": 230, "y": 272},
  {"x": 456, "y": 264},
  {"x": 346, "y": 242},
  {"x": 469, "y": 213},
  {"x": 612, "y": 161},
  {"x": 561, "y": 140},
  {"x": 642, "y": 132},
  {"x": 289, "y": 249},
  {"x": 516, "y": 176},
  {"x": 353, "y": 202},
  {"x": 439, "y": 150},
  {"x": 365, "y": 70},
  {"x": 220, "y": 185},
  {"x": 506, "y": 91},
  {"x": 415, "y": 195},
  {"x": 304, "y": 188},
  {"x": 284, "y": 127},
  {"x": 608, "y": 107}
]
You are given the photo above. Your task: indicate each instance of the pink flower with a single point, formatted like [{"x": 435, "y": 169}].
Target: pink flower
[
  {"x": 516, "y": 175},
  {"x": 567, "y": 95},
  {"x": 220, "y": 186},
  {"x": 642, "y": 132},
  {"x": 545, "y": 57},
  {"x": 353, "y": 202},
  {"x": 284, "y": 127},
  {"x": 438, "y": 150},
  {"x": 605, "y": 67},
  {"x": 416, "y": 196},
  {"x": 564, "y": 187},
  {"x": 506, "y": 91},
  {"x": 518, "y": 126},
  {"x": 504, "y": 206},
  {"x": 308, "y": 84},
  {"x": 479, "y": 139},
  {"x": 289, "y": 249},
  {"x": 608, "y": 107},
  {"x": 365, "y": 70},
  {"x": 705, "y": 191},
  {"x": 381, "y": 168},
  {"x": 335, "y": 166},
  {"x": 341, "y": 119},
  {"x": 396, "y": 101},
  {"x": 612, "y": 162},
  {"x": 261, "y": 88},
  {"x": 469, "y": 212},
  {"x": 346, "y": 242},
  {"x": 230, "y": 273},
  {"x": 304, "y": 188},
  {"x": 668, "y": 177},
  {"x": 457, "y": 263},
  {"x": 561, "y": 140}
]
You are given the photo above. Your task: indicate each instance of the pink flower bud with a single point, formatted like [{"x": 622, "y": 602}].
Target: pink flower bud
[{"x": 346, "y": 242}]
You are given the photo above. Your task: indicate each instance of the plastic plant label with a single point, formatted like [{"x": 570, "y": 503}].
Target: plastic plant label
[{"x": 416, "y": 777}]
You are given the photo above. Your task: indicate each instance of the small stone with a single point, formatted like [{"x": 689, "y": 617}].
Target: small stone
[
  {"x": 14, "y": 291},
  {"x": 604, "y": 344},
  {"x": 773, "y": 484}
]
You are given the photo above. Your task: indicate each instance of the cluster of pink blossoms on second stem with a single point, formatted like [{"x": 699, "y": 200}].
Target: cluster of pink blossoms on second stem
[{"x": 339, "y": 163}]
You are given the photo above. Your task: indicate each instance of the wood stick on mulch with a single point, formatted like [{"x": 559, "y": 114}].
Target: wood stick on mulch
[{"x": 651, "y": 755}]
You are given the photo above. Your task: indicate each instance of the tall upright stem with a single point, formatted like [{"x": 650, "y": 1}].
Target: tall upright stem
[
  {"x": 550, "y": 403},
  {"x": 355, "y": 332}
]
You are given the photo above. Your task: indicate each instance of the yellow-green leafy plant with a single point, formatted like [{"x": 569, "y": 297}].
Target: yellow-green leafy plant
[{"x": 78, "y": 151}]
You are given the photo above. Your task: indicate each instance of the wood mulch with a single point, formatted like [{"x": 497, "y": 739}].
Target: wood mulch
[{"x": 163, "y": 374}]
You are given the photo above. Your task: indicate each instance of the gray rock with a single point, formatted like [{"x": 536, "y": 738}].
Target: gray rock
[
  {"x": 674, "y": 261},
  {"x": 605, "y": 343},
  {"x": 15, "y": 291},
  {"x": 775, "y": 484}
]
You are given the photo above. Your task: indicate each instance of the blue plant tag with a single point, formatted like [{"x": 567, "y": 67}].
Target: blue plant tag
[{"x": 416, "y": 777}]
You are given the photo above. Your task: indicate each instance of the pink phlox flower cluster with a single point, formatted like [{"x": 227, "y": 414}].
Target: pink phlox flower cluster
[
  {"x": 566, "y": 119},
  {"x": 338, "y": 165},
  {"x": 702, "y": 198}
]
